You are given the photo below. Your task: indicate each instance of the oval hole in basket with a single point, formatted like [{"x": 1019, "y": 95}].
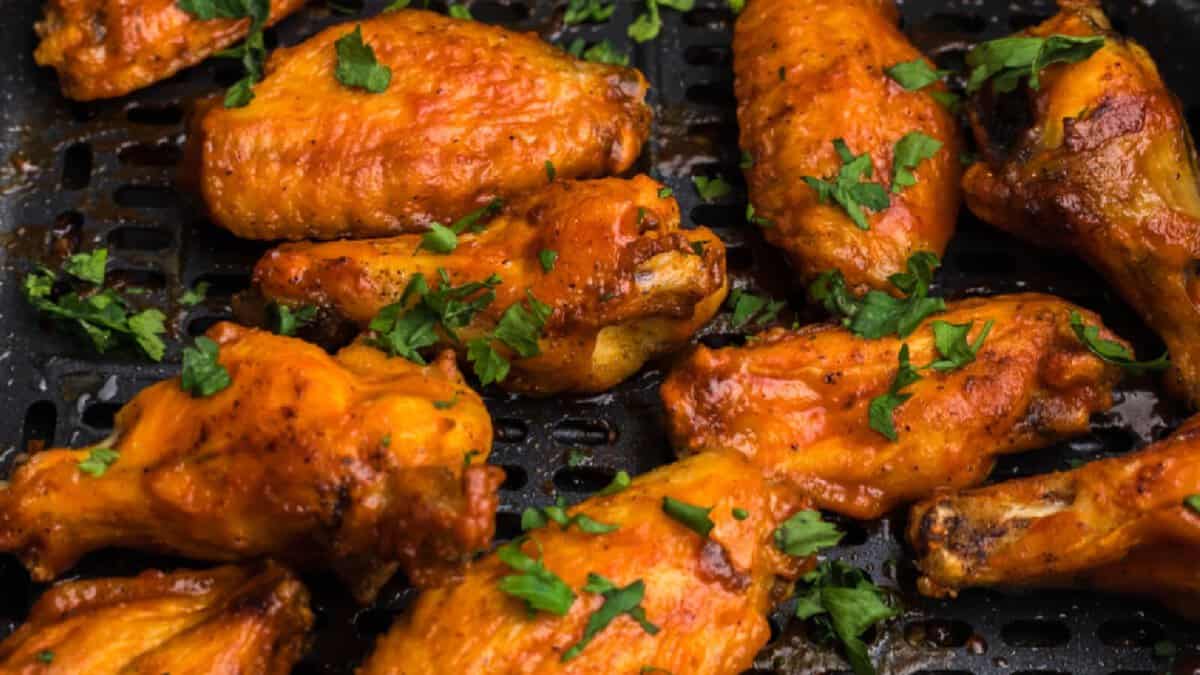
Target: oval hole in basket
[
  {"x": 200, "y": 325},
  {"x": 1130, "y": 633},
  {"x": 499, "y": 12},
  {"x": 703, "y": 55},
  {"x": 712, "y": 19},
  {"x": 515, "y": 477},
  {"x": 145, "y": 197},
  {"x": 224, "y": 285},
  {"x": 584, "y": 432},
  {"x": 711, "y": 94},
  {"x": 100, "y": 416},
  {"x": 77, "y": 166},
  {"x": 160, "y": 114},
  {"x": 1035, "y": 633},
  {"x": 583, "y": 478},
  {"x": 508, "y": 430},
  {"x": 37, "y": 431},
  {"x": 140, "y": 239},
  {"x": 162, "y": 153},
  {"x": 508, "y": 526}
]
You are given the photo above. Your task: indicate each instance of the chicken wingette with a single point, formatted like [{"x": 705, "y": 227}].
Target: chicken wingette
[
  {"x": 1098, "y": 160},
  {"x": 622, "y": 282},
  {"x": 810, "y": 73},
  {"x": 107, "y": 48},
  {"x": 248, "y": 620},
  {"x": 358, "y": 463},
  {"x": 1130, "y": 524},
  {"x": 798, "y": 402},
  {"x": 472, "y": 112},
  {"x": 705, "y": 597}
]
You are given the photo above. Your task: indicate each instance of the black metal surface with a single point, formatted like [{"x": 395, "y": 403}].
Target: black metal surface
[{"x": 87, "y": 175}]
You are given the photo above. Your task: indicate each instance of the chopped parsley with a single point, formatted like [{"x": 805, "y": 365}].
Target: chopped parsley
[
  {"x": 950, "y": 339},
  {"x": 758, "y": 220},
  {"x": 98, "y": 461},
  {"x": 600, "y": 52},
  {"x": 404, "y": 331},
  {"x": 648, "y": 25},
  {"x": 752, "y": 309},
  {"x": 252, "y": 52},
  {"x": 711, "y": 189},
  {"x": 849, "y": 189},
  {"x": 357, "y": 66},
  {"x": 1193, "y": 503},
  {"x": 540, "y": 588},
  {"x": 747, "y": 160},
  {"x": 88, "y": 267},
  {"x": 194, "y": 296},
  {"x": 740, "y": 514},
  {"x": 519, "y": 329},
  {"x": 446, "y": 405},
  {"x": 805, "y": 533},
  {"x": 881, "y": 408},
  {"x": 618, "y": 484},
  {"x": 845, "y": 603},
  {"x": 397, "y": 5},
  {"x": 664, "y": 193},
  {"x": 910, "y": 151},
  {"x": 203, "y": 375},
  {"x": 442, "y": 239},
  {"x": 458, "y": 11},
  {"x": 551, "y": 172},
  {"x": 877, "y": 313},
  {"x": 576, "y": 457},
  {"x": 102, "y": 315},
  {"x": 916, "y": 75},
  {"x": 1006, "y": 60},
  {"x": 694, "y": 517},
  {"x": 1113, "y": 352},
  {"x": 286, "y": 320},
  {"x": 535, "y": 517},
  {"x": 547, "y": 258},
  {"x": 736, "y": 6},
  {"x": 582, "y": 11},
  {"x": 45, "y": 656},
  {"x": 617, "y": 601}
]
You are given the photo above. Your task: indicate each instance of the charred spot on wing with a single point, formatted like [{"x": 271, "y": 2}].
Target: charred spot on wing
[{"x": 1111, "y": 119}]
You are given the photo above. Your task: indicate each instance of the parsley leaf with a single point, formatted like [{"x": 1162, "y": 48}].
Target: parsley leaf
[
  {"x": 1006, "y": 60},
  {"x": 439, "y": 239},
  {"x": 878, "y": 314},
  {"x": 736, "y": 6},
  {"x": 618, "y": 484},
  {"x": 203, "y": 375},
  {"x": 805, "y": 533},
  {"x": 664, "y": 193},
  {"x": 749, "y": 308},
  {"x": 88, "y": 267},
  {"x": 458, "y": 11},
  {"x": 747, "y": 160},
  {"x": 1193, "y": 502},
  {"x": 194, "y": 296},
  {"x": 756, "y": 219},
  {"x": 356, "y": 64},
  {"x": 397, "y": 5},
  {"x": 403, "y": 331},
  {"x": 251, "y": 52},
  {"x": 848, "y": 188},
  {"x": 547, "y": 258},
  {"x": 600, "y": 52},
  {"x": 916, "y": 75},
  {"x": 535, "y": 517},
  {"x": 446, "y": 405},
  {"x": 617, "y": 601},
  {"x": 740, "y": 514},
  {"x": 540, "y": 588},
  {"x": 950, "y": 339},
  {"x": 442, "y": 239},
  {"x": 551, "y": 172},
  {"x": 694, "y": 517},
  {"x": 489, "y": 365},
  {"x": 287, "y": 320},
  {"x": 711, "y": 189},
  {"x": 581, "y": 11},
  {"x": 881, "y": 407},
  {"x": 520, "y": 328},
  {"x": 648, "y": 24},
  {"x": 844, "y": 601},
  {"x": 910, "y": 151},
  {"x": 1113, "y": 352},
  {"x": 98, "y": 461}
]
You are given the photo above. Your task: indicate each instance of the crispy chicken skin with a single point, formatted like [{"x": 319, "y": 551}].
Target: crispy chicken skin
[
  {"x": 811, "y": 71},
  {"x": 627, "y": 285},
  {"x": 1099, "y": 161},
  {"x": 341, "y": 463},
  {"x": 709, "y": 598},
  {"x": 233, "y": 620},
  {"x": 796, "y": 403},
  {"x": 472, "y": 112},
  {"x": 1118, "y": 524},
  {"x": 106, "y": 48}
]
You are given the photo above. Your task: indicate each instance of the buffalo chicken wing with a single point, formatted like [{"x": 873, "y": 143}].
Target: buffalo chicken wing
[
  {"x": 472, "y": 112},
  {"x": 354, "y": 463},
  {"x": 623, "y": 282},
  {"x": 250, "y": 620},
  {"x": 797, "y": 402}
]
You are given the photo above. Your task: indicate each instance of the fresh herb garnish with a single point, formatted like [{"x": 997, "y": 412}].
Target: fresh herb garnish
[
  {"x": 618, "y": 484},
  {"x": 252, "y": 52},
  {"x": 581, "y": 11},
  {"x": 844, "y": 602},
  {"x": 202, "y": 374},
  {"x": 442, "y": 239},
  {"x": 747, "y": 160},
  {"x": 617, "y": 601},
  {"x": 286, "y": 320},
  {"x": 648, "y": 24},
  {"x": 849, "y": 189},
  {"x": 916, "y": 75},
  {"x": 88, "y": 267},
  {"x": 540, "y": 588},
  {"x": 1114, "y": 352},
  {"x": 758, "y": 220},
  {"x": 535, "y": 517},
  {"x": 736, "y": 6},
  {"x": 600, "y": 52},
  {"x": 457, "y": 11},
  {"x": 749, "y": 308},
  {"x": 448, "y": 404},
  {"x": 1006, "y": 60},
  {"x": 664, "y": 193},
  {"x": 910, "y": 151},
  {"x": 519, "y": 329},
  {"x": 551, "y": 172},
  {"x": 878, "y": 314},
  {"x": 1193, "y": 503},
  {"x": 950, "y": 339},
  {"x": 397, "y": 5},
  {"x": 694, "y": 517},
  {"x": 357, "y": 66},
  {"x": 711, "y": 189},
  {"x": 880, "y": 410},
  {"x": 403, "y": 331},
  {"x": 805, "y": 533},
  {"x": 547, "y": 258},
  {"x": 45, "y": 656},
  {"x": 195, "y": 295},
  {"x": 98, "y": 461}
]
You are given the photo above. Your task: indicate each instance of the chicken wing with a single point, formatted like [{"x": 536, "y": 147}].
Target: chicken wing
[
  {"x": 249, "y": 620},
  {"x": 1121, "y": 524},
  {"x": 1098, "y": 160},
  {"x": 624, "y": 282},
  {"x": 354, "y": 463},
  {"x": 106, "y": 48},
  {"x": 706, "y": 596},
  {"x": 810, "y": 72},
  {"x": 472, "y": 112},
  {"x": 796, "y": 403}
]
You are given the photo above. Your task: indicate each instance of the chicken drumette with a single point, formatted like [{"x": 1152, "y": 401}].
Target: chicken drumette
[{"x": 357, "y": 463}]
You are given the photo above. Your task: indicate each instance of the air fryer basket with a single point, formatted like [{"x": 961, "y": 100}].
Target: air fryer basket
[{"x": 100, "y": 174}]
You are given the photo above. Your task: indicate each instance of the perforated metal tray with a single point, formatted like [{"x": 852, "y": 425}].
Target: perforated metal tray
[{"x": 101, "y": 174}]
